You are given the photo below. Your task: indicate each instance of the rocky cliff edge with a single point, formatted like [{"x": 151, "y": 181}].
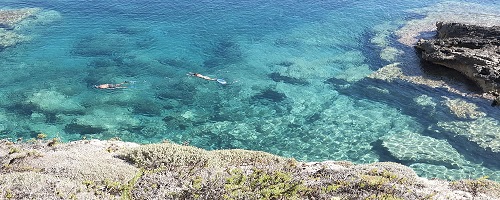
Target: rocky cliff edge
[
  {"x": 94, "y": 169},
  {"x": 470, "y": 49}
]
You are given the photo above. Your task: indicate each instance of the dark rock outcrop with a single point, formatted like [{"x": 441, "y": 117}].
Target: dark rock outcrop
[{"x": 472, "y": 50}]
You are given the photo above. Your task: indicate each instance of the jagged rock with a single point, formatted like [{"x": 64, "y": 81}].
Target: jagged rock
[
  {"x": 449, "y": 11},
  {"x": 416, "y": 148},
  {"x": 470, "y": 49}
]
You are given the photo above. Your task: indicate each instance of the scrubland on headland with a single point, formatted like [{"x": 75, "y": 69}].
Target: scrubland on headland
[
  {"x": 95, "y": 169},
  {"x": 306, "y": 109}
]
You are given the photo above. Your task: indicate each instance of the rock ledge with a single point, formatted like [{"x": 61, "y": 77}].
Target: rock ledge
[{"x": 470, "y": 49}]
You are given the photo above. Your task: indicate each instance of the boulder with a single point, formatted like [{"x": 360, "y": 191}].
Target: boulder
[{"x": 470, "y": 49}]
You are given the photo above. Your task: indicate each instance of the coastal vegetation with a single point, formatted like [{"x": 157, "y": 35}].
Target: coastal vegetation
[
  {"x": 115, "y": 169},
  {"x": 314, "y": 104}
]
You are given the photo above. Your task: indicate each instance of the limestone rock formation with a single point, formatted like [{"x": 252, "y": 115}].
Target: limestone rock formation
[
  {"x": 93, "y": 169},
  {"x": 470, "y": 49}
]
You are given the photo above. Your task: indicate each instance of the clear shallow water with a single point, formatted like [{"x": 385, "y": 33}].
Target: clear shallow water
[{"x": 296, "y": 72}]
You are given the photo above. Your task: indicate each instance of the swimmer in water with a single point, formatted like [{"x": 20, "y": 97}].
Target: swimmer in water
[
  {"x": 201, "y": 76},
  {"x": 219, "y": 80},
  {"x": 110, "y": 86}
]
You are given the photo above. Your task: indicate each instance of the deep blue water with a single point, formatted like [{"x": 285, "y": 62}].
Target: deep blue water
[{"x": 296, "y": 72}]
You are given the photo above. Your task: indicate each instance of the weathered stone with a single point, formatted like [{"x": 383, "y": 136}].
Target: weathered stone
[
  {"x": 92, "y": 169},
  {"x": 470, "y": 49},
  {"x": 450, "y": 11}
]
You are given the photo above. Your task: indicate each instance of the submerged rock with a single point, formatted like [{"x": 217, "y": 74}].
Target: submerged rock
[
  {"x": 381, "y": 39},
  {"x": 442, "y": 172},
  {"x": 9, "y": 18},
  {"x": 463, "y": 109},
  {"x": 470, "y": 49},
  {"x": 277, "y": 77},
  {"x": 54, "y": 102},
  {"x": 9, "y": 38},
  {"x": 416, "y": 148},
  {"x": 14, "y": 20},
  {"x": 484, "y": 131},
  {"x": 270, "y": 95},
  {"x": 113, "y": 119}
]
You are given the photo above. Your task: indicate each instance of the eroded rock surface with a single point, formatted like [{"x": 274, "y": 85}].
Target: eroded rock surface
[
  {"x": 470, "y": 49},
  {"x": 93, "y": 169}
]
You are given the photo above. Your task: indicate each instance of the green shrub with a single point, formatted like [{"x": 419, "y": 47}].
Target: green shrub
[
  {"x": 41, "y": 136},
  {"x": 263, "y": 185},
  {"x": 171, "y": 155},
  {"x": 477, "y": 186}
]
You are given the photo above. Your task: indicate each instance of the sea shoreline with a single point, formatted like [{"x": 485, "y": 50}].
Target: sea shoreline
[{"x": 469, "y": 110}]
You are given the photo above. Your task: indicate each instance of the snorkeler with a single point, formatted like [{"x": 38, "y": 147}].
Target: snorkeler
[
  {"x": 201, "y": 76},
  {"x": 219, "y": 80},
  {"x": 112, "y": 86}
]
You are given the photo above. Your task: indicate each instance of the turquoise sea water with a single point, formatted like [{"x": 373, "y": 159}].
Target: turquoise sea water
[{"x": 296, "y": 72}]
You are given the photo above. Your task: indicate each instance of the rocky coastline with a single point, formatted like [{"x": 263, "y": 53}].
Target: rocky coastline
[
  {"x": 95, "y": 169},
  {"x": 470, "y": 49}
]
